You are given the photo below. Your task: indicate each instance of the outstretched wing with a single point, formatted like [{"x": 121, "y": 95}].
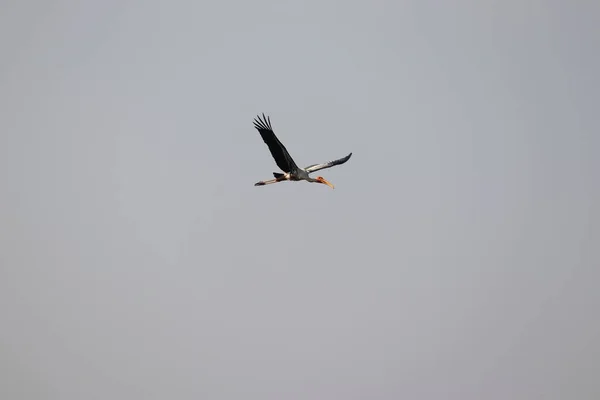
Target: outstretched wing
[
  {"x": 278, "y": 151},
  {"x": 316, "y": 167}
]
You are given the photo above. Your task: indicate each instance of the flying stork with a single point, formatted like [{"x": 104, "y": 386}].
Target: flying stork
[{"x": 285, "y": 162}]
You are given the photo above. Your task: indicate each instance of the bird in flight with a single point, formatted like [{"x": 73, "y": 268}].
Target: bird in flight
[{"x": 285, "y": 162}]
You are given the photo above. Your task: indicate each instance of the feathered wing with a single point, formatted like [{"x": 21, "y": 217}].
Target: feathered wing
[
  {"x": 317, "y": 167},
  {"x": 282, "y": 158}
]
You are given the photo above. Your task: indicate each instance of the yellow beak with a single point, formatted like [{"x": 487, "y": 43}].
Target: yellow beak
[{"x": 328, "y": 184}]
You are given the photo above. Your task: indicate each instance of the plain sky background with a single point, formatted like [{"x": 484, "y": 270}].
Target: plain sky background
[{"x": 457, "y": 257}]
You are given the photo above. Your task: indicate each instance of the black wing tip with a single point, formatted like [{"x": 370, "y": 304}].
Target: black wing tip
[
  {"x": 340, "y": 161},
  {"x": 263, "y": 123},
  {"x": 343, "y": 160}
]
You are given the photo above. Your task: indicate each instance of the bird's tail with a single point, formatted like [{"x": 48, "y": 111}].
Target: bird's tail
[{"x": 277, "y": 175}]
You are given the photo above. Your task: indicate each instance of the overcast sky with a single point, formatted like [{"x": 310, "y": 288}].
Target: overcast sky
[{"x": 457, "y": 258}]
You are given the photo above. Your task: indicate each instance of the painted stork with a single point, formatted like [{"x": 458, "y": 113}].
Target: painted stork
[{"x": 285, "y": 162}]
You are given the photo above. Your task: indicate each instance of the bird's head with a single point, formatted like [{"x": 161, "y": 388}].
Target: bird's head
[{"x": 322, "y": 180}]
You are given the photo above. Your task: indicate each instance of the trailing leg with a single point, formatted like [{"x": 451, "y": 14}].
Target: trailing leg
[{"x": 262, "y": 183}]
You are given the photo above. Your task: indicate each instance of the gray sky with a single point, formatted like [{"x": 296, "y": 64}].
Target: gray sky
[{"x": 457, "y": 257}]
